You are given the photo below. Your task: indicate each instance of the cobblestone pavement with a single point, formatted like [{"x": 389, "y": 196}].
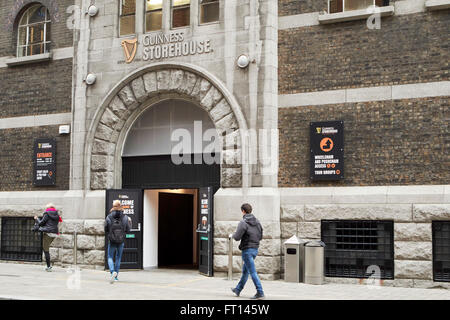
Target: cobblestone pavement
[{"x": 23, "y": 281}]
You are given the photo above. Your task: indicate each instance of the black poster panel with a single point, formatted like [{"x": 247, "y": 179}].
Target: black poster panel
[
  {"x": 131, "y": 201},
  {"x": 205, "y": 231},
  {"x": 44, "y": 162},
  {"x": 327, "y": 150}
]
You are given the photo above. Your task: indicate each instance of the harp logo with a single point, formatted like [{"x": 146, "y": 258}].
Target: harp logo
[{"x": 129, "y": 48}]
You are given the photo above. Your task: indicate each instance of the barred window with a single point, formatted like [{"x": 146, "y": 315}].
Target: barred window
[
  {"x": 127, "y": 17},
  {"x": 209, "y": 11},
  {"x": 354, "y": 248},
  {"x": 335, "y": 6},
  {"x": 153, "y": 16},
  {"x": 180, "y": 13},
  {"x": 441, "y": 250},
  {"x": 33, "y": 32}
]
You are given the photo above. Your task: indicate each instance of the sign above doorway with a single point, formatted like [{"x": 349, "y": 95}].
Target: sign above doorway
[{"x": 164, "y": 45}]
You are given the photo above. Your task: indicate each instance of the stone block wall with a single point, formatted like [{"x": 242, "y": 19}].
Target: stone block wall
[
  {"x": 413, "y": 264},
  {"x": 90, "y": 238},
  {"x": 268, "y": 260}
]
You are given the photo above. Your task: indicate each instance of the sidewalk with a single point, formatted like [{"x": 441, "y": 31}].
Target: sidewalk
[{"x": 21, "y": 281}]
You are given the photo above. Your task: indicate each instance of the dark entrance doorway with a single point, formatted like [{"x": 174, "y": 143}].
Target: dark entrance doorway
[{"x": 175, "y": 230}]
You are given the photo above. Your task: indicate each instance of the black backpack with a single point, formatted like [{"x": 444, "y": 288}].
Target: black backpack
[{"x": 116, "y": 234}]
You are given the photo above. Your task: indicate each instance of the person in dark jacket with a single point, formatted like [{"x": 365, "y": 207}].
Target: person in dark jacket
[
  {"x": 115, "y": 249},
  {"x": 250, "y": 233},
  {"x": 48, "y": 225}
]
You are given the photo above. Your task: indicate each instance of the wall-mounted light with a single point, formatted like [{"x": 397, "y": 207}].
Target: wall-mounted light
[
  {"x": 92, "y": 11},
  {"x": 243, "y": 61},
  {"x": 90, "y": 78},
  {"x": 64, "y": 129}
]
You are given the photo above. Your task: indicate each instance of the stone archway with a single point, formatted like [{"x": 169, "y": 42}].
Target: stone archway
[{"x": 140, "y": 91}]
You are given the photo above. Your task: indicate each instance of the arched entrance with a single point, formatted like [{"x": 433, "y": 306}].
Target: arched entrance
[
  {"x": 133, "y": 95},
  {"x": 151, "y": 154},
  {"x": 115, "y": 159},
  {"x": 171, "y": 182}
]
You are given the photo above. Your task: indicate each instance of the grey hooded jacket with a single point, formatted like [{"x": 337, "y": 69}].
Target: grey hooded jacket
[
  {"x": 49, "y": 222},
  {"x": 249, "y": 232},
  {"x": 117, "y": 214}
]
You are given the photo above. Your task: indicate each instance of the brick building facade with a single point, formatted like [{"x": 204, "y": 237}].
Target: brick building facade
[{"x": 389, "y": 86}]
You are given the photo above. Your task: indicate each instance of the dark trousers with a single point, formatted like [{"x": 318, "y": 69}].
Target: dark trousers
[{"x": 46, "y": 242}]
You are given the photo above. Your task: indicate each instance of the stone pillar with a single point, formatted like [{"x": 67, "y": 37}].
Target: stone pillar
[{"x": 227, "y": 214}]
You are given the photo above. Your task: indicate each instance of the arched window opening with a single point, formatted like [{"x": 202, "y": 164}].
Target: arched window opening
[{"x": 34, "y": 32}]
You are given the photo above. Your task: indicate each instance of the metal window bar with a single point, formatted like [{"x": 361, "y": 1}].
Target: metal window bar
[
  {"x": 441, "y": 251},
  {"x": 18, "y": 242},
  {"x": 353, "y": 246},
  {"x": 230, "y": 257}
]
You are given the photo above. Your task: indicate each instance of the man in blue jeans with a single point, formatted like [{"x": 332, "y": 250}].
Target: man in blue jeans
[
  {"x": 117, "y": 226},
  {"x": 250, "y": 233}
]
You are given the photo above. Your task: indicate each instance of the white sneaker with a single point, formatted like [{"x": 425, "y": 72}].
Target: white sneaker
[
  {"x": 113, "y": 276},
  {"x": 48, "y": 269}
]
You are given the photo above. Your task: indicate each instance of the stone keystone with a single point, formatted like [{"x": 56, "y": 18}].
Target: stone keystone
[
  {"x": 176, "y": 79},
  {"x": 163, "y": 79},
  {"x": 150, "y": 82}
]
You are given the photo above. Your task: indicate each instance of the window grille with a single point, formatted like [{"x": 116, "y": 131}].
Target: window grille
[
  {"x": 18, "y": 242},
  {"x": 441, "y": 251},
  {"x": 353, "y": 246}
]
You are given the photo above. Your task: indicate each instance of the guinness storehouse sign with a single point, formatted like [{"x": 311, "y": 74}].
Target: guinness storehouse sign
[{"x": 161, "y": 46}]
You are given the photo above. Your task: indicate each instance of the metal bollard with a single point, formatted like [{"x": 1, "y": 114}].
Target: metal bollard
[
  {"x": 75, "y": 247},
  {"x": 230, "y": 257}
]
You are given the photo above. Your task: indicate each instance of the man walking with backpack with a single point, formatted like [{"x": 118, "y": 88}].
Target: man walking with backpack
[
  {"x": 250, "y": 233},
  {"x": 116, "y": 227}
]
